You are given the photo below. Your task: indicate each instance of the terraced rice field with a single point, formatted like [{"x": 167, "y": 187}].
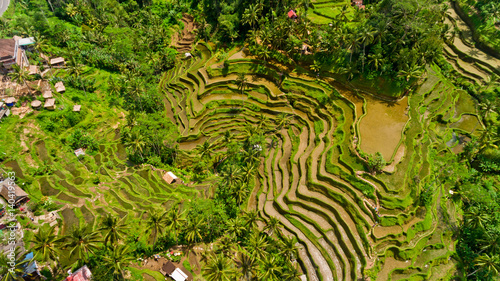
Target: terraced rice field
[
  {"x": 470, "y": 62},
  {"x": 324, "y": 11},
  {"x": 350, "y": 224}
]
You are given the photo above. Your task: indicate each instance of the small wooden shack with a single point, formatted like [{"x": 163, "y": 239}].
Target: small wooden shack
[
  {"x": 57, "y": 61},
  {"x": 77, "y": 108},
  {"x": 60, "y": 87},
  {"x": 47, "y": 94},
  {"x": 50, "y": 104},
  {"x": 10, "y": 101},
  {"x": 79, "y": 152},
  {"x": 170, "y": 177},
  {"x": 36, "y": 104}
]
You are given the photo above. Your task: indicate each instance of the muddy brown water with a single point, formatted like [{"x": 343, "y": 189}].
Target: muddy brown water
[{"x": 380, "y": 129}]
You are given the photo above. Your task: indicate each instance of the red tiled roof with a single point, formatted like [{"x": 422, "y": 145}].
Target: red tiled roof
[{"x": 291, "y": 14}]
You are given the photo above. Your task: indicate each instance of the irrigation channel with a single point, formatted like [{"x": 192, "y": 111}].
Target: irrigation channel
[{"x": 348, "y": 221}]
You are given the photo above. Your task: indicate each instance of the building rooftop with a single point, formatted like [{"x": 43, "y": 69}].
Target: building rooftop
[
  {"x": 60, "y": 87},
  {"x": 49, "y": 103},
  {"x": 57, "y": 60},
  {"x": 36, "y": 103},
  {"x": 170, "y": 177},
  {"x": 7, "y": 48},
  {"x": 77, "y": 107}
]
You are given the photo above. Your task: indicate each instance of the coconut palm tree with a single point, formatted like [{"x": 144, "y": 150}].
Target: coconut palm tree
[
  {"x": 206, "y": 149},
  {"x": 476, "y": 218},
  {"x": 251, "y": 15},
  {"x": 365, "y": 38},
  {"x": 491, "y": 242},
  {"x": 273, "y": 225},
  {"x": 156, "y": 223},
  {"x": 411, "y": 72},
  {"x": 219, "y": 268},
  {"x": 241, "y": 82},
  {"x": 487, "y": 107},
  {"x": 247, "y": 265},
  {"x": 175, "y": 221},
  {"x": 251, "y": 218},
  {"x": 19, "y": 75},
  {"x": 137, "y": 143},
  {"x": 271, "y": 270},
  {"x": 193, "y": 230},
  {"x": 240, "y": 193},
  {"x": 17, "y": 271},
  {"x": 292, "y": 273},
  {"x": 117, "y": 260},
  {"x": 81, "y": 241},
  {"x": 231, "y": 176},
  {"x": 74, "y": 68},
  {"x": 46, "y": 244},
  {"x": 113, "y": 229},
  {"x": 257, "y": 245},
  {"x": 488, "y": 263},
  {"x": 289, "y": 247},
  {"x": 236, "y": 226}
]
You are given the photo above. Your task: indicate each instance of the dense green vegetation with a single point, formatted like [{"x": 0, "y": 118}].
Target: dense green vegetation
[
  {"x": 485, "y": 19},
  {"x": 263, "y": 142}
]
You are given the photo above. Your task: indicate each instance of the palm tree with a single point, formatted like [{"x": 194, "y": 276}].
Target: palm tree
[
  {"x": 240, "y": 193},
  {"x": 282, "y": 121},
  {"x": 81, "y": 241},
  {"x": 488, "y": 263},
  {"x": 193, "y": 230},
  {"x": 206, "y": 149},
  {"x": 250, "y": 16},
  {"x": 365, "y": 38},
  {"x": 271, "y": 270},
  {"x": 376, "y": 60},
  {"x": 231, "y": 176},
  {"x": 273, "y": 225},
  {"x": 74, "y": 68},
  {"x": 289, "y": 247},
  {"x": 251, "y": 218},
  {"x": 248, "y": 172},
  {"x": 156, "y": 224},
  {"x": 236, "y": 226},
  {"x": 487, "y": 107},
  {"x": 490, "y": 80},
  {"x": 113, "y": 229},
  {"x": 137, "y": 143},
  {"x": 175, "y": 221},
  {"x": 241, "y": 82},
  {"x": 119, "y": 258},
  {"x": 257, "y": 245},
  {"x": 19, "y": 75},
  {"x": 490, "y": 243},
  {"x": 46, "y": 244},
  {"x": 219, "y": 268},
  {"x": 292, "y": 274},
  {"x": 412, "y": 72},
  {"x": 352, "y": 44},
  {"x": 247, "y": 265},
  {"x": 476, "y": 218},
  {"x": 17, "y": 271}
]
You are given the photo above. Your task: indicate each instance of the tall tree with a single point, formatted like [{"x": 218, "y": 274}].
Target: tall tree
[
  {"x": 113, "y": 229},
  {"x": 219, "y": 268},
  {"x": 117, "y": 259},
  {"x": 46, "y": 244},
  {"x": 156, "y": 223},
  {"x": 81, "y": 241}
]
